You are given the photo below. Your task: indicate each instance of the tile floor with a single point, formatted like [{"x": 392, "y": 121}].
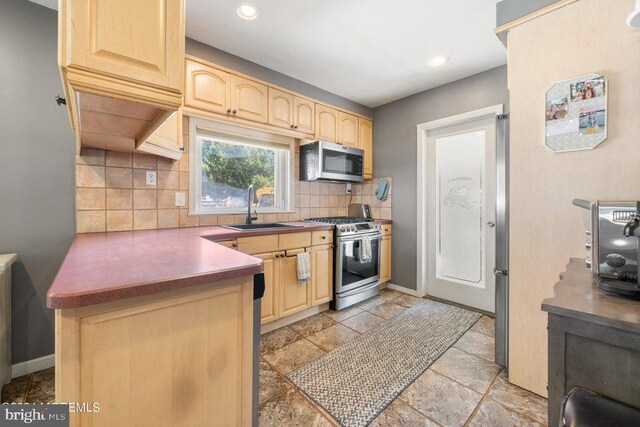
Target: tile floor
[{"x": 463, "y": 387}]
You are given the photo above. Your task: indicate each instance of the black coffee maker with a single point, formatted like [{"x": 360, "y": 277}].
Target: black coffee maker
[{"x": 631, "y": 286}]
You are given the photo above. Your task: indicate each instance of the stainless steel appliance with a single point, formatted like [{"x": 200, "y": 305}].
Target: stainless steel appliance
[
  {"x": 360, "y": 210},
  {"x": 327, "y": 161},
  {"x": 502, "y": 241},
  {"x": 355, "y": 279},
  {"x": 611, "y": 255}
]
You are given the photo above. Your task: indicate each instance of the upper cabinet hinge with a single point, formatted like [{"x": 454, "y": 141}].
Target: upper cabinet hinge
[{"x": 503, "y": 116}]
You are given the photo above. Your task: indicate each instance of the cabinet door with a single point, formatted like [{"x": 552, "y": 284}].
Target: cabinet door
[
  {"x": 167, "y": 140},
  {"x": 141, "y": 41},
  {"x": 348, "y": 129},
  {"x": 280, "y": 108},
  {"x": 385, "y": 261},
  {"x": 269, "y": 300},
  {"x": 294, "y": 296},
  {"x": 365, "y": 142},
  {"x": 207, "y": 88},
  {"x": 249, "y": 99},
  {"x": 326, "y": 123},
  {"x": 304, "y": 115},
  {"x": 321, "y": 274}
]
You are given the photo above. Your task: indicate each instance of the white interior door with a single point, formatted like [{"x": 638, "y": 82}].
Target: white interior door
[{"x": 461, "y": 198}]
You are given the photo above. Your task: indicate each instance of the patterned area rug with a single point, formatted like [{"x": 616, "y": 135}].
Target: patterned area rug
[{"x": 358, "y": 380}]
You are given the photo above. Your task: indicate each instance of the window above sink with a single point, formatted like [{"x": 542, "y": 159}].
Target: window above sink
[{"x": 226, "y": 159}]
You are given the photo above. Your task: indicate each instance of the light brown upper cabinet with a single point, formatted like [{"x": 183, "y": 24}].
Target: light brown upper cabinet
[
  {"x": 217, "y": 91},
  {"x": 167, "y": 140},
  {"x": 249, "y": 99},
  {"x": 304, "y": 115},
  {"x": 280, "y": 108},
  {"x": 131, "y": 55},
  {"x": 207, "y": 88},
  {"x": 348, "y": 129},
  {"x": 326, "y": 123},
  {"x": 365, "y": 142},
  {"x": 291, "y": 112}
]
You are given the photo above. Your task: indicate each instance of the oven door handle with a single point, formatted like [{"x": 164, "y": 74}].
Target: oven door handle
[
  {"x": 359, "y": 290},
  {"x": 374, "y": 236}
]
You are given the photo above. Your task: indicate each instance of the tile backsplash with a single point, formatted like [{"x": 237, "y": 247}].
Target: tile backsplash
[{"x": 112, "y": 195}]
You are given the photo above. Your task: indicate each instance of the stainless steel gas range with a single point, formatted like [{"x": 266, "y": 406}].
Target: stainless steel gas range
[{"x": 356, "y": 278}]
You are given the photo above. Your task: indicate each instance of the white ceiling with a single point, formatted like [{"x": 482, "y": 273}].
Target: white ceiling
[{"x": 370, "y": 51}]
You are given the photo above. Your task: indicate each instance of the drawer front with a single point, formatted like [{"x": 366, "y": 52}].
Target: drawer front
[
  {"x": 386, "y": 229},
  {"x": 323, "y": 237},
  {"x": 228, "y": 243},
  {"x": 258, "y": 244},
  {"x": 294, "y": 240}
]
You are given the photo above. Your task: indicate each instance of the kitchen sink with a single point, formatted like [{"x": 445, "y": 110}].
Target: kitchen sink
[{"x": 263, "y": 226}]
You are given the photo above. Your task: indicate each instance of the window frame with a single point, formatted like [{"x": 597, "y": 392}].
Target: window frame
[{"x": 232, "y": 134}]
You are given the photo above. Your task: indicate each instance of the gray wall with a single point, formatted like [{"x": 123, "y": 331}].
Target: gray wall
[
  {"x": 226, "y": 59},
  {"x": 36, "y": 169},
  {"x": 509, "y": 10},
  {"x": 395, "y": 149}
]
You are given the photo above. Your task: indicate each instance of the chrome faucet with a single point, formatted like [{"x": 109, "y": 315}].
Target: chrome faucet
[{"x": 251, "y": 191}]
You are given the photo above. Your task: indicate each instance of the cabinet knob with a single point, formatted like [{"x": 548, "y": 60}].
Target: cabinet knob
[
  {"x": 296, "y": 127},
  {"x": 228, "y": 110},
  {"x": 291, "y": 126},
  {"x": 234, "y": 111},
  {"x": 323, "y": 237}
]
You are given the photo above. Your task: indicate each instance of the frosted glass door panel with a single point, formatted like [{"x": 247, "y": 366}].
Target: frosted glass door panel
[{"x": 459, "y": 223}]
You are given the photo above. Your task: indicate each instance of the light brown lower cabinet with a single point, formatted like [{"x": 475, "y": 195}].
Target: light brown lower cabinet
[
  {"x": 321, "y": 274},
  {"x": 385, "y": 258},
  {"x": 293, "y": 296},
  {"x": 182, "y": 357},
  {"x": 269, "y": 299},
  {"x": 283, "y": 294}
]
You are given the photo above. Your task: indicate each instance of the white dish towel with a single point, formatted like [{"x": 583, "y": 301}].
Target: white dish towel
[
  {"x": 365, "y": 249},
  {"x": 303, "y": 264}
]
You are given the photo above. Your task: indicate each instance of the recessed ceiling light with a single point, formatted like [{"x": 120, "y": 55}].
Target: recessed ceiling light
[
  {"x": 247, "y": 11},
  {"x": 439, "y": 60}
]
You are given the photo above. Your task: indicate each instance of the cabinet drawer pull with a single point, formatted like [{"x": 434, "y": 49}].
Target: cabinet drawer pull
[{"x": 323, "y": 237}]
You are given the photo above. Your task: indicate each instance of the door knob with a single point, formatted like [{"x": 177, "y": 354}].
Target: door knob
[{"x": 491, "y": 224}]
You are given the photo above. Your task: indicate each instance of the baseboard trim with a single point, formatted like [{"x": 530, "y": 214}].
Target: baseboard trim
[
  {"x": 293, "y": 318},
  {"x": 402, "y": 289},
  {"x": 33, "y": 365}
]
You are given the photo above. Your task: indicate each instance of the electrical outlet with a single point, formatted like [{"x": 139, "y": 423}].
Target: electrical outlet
[
  {"x": 348, "y": 188},
  {"x": 152, "y": 178},
  {"x": 181, "y": 199}
]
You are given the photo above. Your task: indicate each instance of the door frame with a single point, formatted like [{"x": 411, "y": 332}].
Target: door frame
[{"x": 423, "y": 130}]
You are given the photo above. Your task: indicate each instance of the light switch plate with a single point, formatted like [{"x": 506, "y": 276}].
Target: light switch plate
[
  {"x": 181, "y": 199},
  {"x": 152, "y": 178}
]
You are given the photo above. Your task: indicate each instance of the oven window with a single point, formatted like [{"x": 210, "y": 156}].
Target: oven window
[
  {"x": 353, "y": 270},
  {"x": 341, "y": 163}
]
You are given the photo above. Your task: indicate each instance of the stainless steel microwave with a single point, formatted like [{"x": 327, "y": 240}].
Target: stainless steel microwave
[{"x": 327, "y": 161}]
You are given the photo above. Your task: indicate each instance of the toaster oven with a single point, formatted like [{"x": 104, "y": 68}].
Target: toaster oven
[{"x": 612, "y": 255}]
